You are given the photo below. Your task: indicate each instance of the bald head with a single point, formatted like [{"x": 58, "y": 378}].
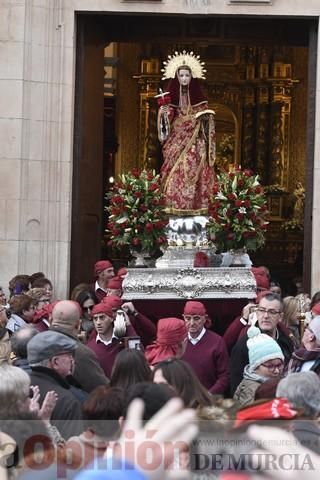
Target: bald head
[{"x": 66, "y": 316}]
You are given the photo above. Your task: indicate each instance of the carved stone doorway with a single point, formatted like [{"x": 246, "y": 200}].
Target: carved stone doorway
[{"x": 249, "y": 98}]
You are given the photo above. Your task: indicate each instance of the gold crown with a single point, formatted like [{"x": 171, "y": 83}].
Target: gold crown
[{"x": 188, "y": 59}]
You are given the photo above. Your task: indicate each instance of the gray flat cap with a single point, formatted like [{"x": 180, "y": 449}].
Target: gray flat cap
[{"x": 47, "y": 344}]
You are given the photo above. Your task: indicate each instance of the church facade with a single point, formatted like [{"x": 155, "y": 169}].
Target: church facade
[{"x": 76, "y": 81}]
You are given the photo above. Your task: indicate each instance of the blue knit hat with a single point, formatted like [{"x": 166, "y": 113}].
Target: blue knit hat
[{"x": 261, "y": 348}]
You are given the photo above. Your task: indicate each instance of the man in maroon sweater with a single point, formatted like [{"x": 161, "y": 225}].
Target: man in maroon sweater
[
  {"x": 103, "y": 272},
  {"x": 105, "y": 344},
  {"x": 239, "y": 324},
  {"x": 143, "y": 326},
  {"x": 206, "y": 351}
]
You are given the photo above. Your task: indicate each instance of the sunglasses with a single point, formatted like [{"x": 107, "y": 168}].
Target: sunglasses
[{"x": 88, "y": 308}]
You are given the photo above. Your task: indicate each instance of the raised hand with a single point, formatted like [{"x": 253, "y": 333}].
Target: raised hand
[
  {"x": 48, "y": 405},
  {"x": 172, "y": 428}
]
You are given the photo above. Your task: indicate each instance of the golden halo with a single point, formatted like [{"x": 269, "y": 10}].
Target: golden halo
[{"x": 189, "y": 59}]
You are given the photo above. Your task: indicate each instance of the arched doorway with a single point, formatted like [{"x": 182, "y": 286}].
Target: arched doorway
[{"x": 235, "y": 54}]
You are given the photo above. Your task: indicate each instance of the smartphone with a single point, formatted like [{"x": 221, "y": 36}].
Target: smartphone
[{"x": 133, "y": 343}]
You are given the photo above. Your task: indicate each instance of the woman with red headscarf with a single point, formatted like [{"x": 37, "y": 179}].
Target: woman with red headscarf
[{"x": 186, "y": 130}]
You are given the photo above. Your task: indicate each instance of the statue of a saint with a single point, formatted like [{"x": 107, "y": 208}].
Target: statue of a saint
[
  {"x": 298, "y": 209},
  {"x": 186, "y": 131}
]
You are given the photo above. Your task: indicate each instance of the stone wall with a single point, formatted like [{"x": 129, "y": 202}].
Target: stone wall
[
  {"x": 37, "y": 82},
  {"x": 36, "y": 116}
]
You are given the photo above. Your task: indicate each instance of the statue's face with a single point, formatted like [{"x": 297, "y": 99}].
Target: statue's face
[{"x": 184, "y": 76}]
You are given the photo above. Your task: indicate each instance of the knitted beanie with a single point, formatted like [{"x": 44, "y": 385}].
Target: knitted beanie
[{"x": 261, "y": 348}]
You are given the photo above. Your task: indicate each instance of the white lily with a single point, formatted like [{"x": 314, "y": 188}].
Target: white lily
[{"x": 220, "y": 196}]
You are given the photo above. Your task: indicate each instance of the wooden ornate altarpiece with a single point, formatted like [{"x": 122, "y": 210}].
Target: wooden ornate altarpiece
[{"x": 256, "y": 86}]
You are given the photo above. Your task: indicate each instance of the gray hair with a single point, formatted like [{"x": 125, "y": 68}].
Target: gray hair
[
  {"x": 302, "y": 390},
  {"x": 20, "y": 339},
  {"x": 43, "y": 363},
  {"x": 14, "y": 389},
  {"x": 273, "y": 296}
]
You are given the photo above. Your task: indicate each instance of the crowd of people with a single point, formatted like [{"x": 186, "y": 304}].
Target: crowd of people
[{"x": 71, "y": 371}]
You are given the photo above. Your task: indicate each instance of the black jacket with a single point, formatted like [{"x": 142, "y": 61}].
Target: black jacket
[
  {"x": 87, "y": 372},
  {"x": 67, "y": 414},
  {"x": 23, "y": 364},
  {"x": 240, "y": 358}
]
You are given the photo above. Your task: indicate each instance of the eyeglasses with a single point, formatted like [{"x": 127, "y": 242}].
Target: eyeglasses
[
  {"x": 265, "y": 311},
  {"x": 273, "y": 366}
]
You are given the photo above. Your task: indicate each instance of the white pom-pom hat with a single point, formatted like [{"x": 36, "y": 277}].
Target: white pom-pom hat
[{"x": 261, "y": 348}]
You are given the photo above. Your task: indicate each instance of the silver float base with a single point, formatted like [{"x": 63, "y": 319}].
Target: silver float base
[{"x": 186, "y": 283}]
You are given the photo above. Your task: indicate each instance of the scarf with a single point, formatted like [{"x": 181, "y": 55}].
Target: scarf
[
  {"x": 248, "y": 374},
  {"x": 301, "y": 356}
]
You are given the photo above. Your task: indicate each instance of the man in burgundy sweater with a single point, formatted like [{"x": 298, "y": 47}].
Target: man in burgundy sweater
[
  {"x": 142, "y": 325},
  {"x": 206, "y": 351},
  {"x": 236, "y": 329},
  {"x": 105, "y": 344},
  {"x": 103, "y": 272}
]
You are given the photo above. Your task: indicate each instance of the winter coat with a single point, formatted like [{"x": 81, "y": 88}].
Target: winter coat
[
  {"x": 246, "y": 390},
  {"x": 5, "y": 346},
  {"x": 67, "y": 414},
  {"x": 88, "y": 372}
]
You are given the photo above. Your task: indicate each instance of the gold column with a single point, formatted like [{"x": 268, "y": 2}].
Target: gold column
[
  {"x": 148, "y": 82},
  {"x": 262, "y": 132},
  {"x": 248, "y": 128}
]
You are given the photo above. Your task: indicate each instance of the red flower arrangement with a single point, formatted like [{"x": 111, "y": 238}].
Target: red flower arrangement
[
  {"x": 238, "y": 211},
  {"x": 136, "y": 212}
]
